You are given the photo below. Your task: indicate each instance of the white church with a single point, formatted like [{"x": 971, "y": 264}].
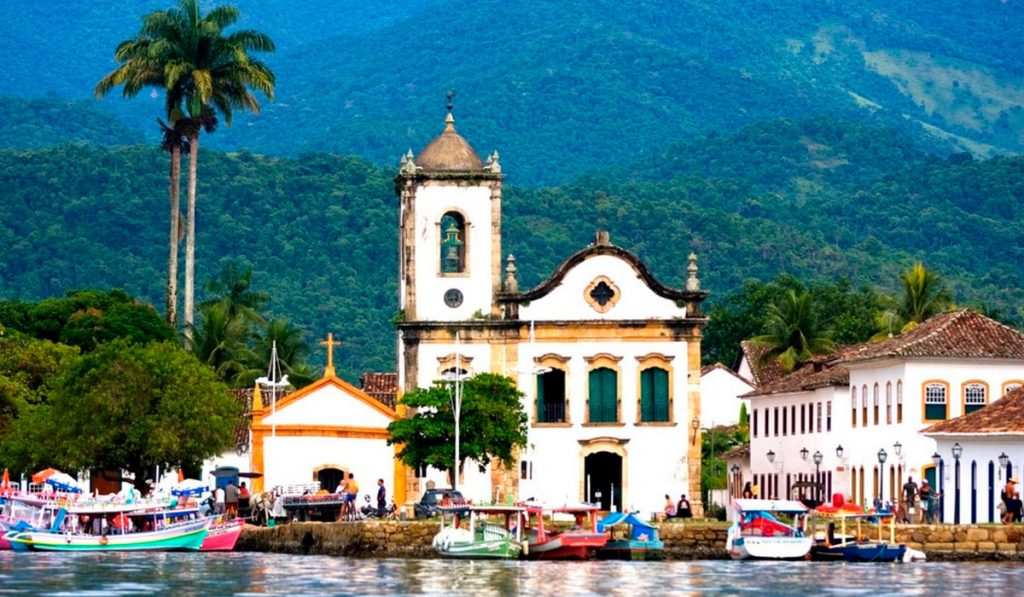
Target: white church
[{"x": 607, "y": 357}]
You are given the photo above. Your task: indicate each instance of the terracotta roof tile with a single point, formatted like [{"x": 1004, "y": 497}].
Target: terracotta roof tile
[
  {"x": 1005, "y": 415},
  {"x": 819, "y": 374},
  {"x": 382, "y": 387},
  {"x": 764, "y": 373},
  {"x": 958, "y": 334}
]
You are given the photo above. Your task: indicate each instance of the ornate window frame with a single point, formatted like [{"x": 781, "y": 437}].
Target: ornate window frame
[
  {"x": 655, "y": 361},
  {"x": 934, "y": 383},
  {"x": 595, "y": 303},
  {"x": 441, "y": 233},
  {"x": 561, "y": 363},
  {"x": 973, "y": 384},
  {"x": 604, "y": 360}
]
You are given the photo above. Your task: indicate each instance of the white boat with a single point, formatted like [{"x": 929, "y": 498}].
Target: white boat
[{"x": 759, "y": 534}]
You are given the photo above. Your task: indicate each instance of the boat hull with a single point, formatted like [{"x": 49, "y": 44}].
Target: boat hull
[
  {"x": 859, "y": 552},
  {"x": 222, "y": 537},
  {"x": 506, "y": 549},
  {"x": 770, "y": 548},
  {"x": 188, "y": 536},
  {"x": 567, "y": 546},
  {"x": 632, "y": 550}
]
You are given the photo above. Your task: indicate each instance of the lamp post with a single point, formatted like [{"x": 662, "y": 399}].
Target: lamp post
[
  {"x": 695, "y": 425},
  {"x": 456, "y": 376},
  {"x": 957, "y": 453},
  {"x": 882, "y": 455},
  {"x": 734, "y": 482},
  {"x": 937, "y": 461},
  {"x": 839, "y": 451},
  {"x": 817, "y": 475},
  {"x": 1003, "y": 461}
]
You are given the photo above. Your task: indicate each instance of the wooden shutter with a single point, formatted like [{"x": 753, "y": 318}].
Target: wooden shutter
[
  {"x": 646, "y": 395},
  {"x": 541, "y": 411},
  {"x": 660, "y": 407}
]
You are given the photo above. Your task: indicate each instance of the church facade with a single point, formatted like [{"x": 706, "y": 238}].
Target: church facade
[{"x": 607, "y": 357}]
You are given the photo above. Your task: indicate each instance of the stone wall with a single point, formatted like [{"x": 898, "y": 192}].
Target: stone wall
[{"x": 683, "y": 541}]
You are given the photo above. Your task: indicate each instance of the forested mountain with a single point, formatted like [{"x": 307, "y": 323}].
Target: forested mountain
[
  {"x": 566, "y": 87},
  {"x": 818, "y": 199}
]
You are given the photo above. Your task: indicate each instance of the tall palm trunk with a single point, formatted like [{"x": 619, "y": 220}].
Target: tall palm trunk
[
  {"x": 190, "y": 234},
  {"x": 172, "y": 259}
]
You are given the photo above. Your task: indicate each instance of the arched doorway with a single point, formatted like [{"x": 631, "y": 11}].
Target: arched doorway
[
  {"x": 330, "y": 477},
  {"x": 603, "y": 477}
]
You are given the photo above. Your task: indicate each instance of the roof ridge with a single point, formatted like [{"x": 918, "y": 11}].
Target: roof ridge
[{"x": 954, "y": 316}]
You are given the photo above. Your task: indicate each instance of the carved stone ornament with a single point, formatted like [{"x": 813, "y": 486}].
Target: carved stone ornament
[{"x": 602, "y": 294}]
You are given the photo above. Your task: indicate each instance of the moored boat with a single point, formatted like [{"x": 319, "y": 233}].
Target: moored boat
[
  {"x": 640, "y": 541},
  {"x": 858, "y": 547},
  {"x": 758, "y": 534},
  {"x": 222, "y": 536},
  {"x": 483, "y": 538},
  {"x": 580, "y": 542},
  {"x": 186, "y": 535}
]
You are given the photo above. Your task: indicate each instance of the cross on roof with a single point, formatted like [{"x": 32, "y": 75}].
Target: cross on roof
[{"x": 330, "y": 343}]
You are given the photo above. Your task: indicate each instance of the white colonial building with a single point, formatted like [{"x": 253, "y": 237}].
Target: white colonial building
[
  {"x": 977, "y": 454},
  {"x": 607, "y": 356},
  {"x": 720, "y": 391},
  {"x": 863, "y": 409}
]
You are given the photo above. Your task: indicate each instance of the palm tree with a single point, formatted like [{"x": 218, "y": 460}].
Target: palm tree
[
  {"x": 234, "y": 290},
  {"x": 792, "y": 332},
  {"x": 221, "y": 341},
  {"x": 140, "y": 68},
  {"x": 203, "y": 70},
  {"x": 212, "y": 71},
  {"x": 924, "y": 296}
]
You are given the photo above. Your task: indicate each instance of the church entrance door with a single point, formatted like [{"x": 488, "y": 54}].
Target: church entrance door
[
  {"x": 330, "y": 478},
  {"x": 603, "y": 472}
]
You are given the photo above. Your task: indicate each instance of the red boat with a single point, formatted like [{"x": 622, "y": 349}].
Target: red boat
[
  {"x": 223, "y": 536},
  {"x": 580, "y": 542}
]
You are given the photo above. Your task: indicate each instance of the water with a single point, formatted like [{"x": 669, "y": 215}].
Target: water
[{"x": 272, "y": 574}]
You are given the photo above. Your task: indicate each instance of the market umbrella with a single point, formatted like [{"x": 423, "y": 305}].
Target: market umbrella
[
  {"x": 63, "y": 482},
  {"x": 44, "y": 474},
  {"x": 193, "y": 487}
]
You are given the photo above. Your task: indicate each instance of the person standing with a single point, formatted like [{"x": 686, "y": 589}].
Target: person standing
[
  {"x": 926, "y": 493},
  {"x": 231, "y": 500},
  {"x": 218, "y": 501},
  {"x": 352, "y": 489},
  {"x": 683, "y": 509},
  {"x": 382, "y": 498},
  {"x": 909, "y": 496}
]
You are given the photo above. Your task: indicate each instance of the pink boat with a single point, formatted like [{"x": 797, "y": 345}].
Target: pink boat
[{"x": 223, "y": 536}]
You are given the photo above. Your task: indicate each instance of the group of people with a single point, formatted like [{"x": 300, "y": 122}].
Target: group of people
[
  {"x": 349, "y": 489},
  {"x": 680, "y": 509},
  {"x": 913, "y": 494},
  {"x": 224, "y": 500}
]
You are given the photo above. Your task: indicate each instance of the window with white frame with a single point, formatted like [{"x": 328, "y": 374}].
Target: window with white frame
[
  {"x": 864, "y": 404},
  {"x": 818, "y": 426},
  {"x": 1011, "y": 387},
  {"x": 875, "y": 403},
  {"x": 853, "y": 406},
  {"x": 828, "y": 416},
  {"x": 974, "y": 397},
  {"x": 935, "y": 402},
  {"x": 899, "y": 401},
  {"x": 888, "y": 403}
]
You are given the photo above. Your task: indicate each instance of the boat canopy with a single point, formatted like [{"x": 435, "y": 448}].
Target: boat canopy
[
  {"x": 640, "y": 527},
  {"x": 748, "y": 505}
]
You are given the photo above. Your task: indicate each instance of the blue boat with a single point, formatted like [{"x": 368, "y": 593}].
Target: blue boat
[
  {"x": 640, "y": 543},
  {"x": 858, "y": 547}
]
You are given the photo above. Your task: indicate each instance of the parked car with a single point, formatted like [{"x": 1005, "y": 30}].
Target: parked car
[{"x": 432, "y": 498}]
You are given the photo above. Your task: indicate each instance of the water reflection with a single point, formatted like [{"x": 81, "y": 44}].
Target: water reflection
[{"x": 270, "y": 574}]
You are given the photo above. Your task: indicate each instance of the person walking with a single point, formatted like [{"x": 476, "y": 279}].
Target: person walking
[
  {"x": 909, "y": 497},
  {"x": 231, "y": 494}
]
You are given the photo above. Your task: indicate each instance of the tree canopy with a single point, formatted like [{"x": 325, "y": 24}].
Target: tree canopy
[
  {"x": 131, "y": 407},
  {"x": 492, "y": 425}
]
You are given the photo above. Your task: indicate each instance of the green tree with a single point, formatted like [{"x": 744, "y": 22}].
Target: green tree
[
  {"x": 131, "y": 407},
  {"x": 222, "y": 342},
  {"x": 492, "y": 425},
  {"x": 793, "y": 334},
  {"x": 292, "y": 351},
  {"x": 28, "y": 369},
  {"x": 233, "y": 290}
]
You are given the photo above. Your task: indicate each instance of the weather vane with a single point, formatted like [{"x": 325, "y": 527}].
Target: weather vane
[{"x": 450, "y": 94}]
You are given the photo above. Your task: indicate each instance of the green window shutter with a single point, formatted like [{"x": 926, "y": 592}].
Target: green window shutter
[
  {"x": 646, "y": 395},
  {"x": 541, "y": 413},
  {"x": 610, "y": 396},
  {"x": 660, "y": 397},
  {"x": 595, "y": 396}
]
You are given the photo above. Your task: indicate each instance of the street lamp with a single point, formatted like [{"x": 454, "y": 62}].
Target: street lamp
[
  {"x": 770, "y": 456},
  {"x": 957, "y": 453},
  {"x": 1003, "y": 461},
  {"x": 456, "y": 376},
  {"x": 882, "y": 455},
  {"x": 733, "y": 480},
  {"x": 839, "y": 451},
  {"x": 817, "y": 475},
  {"x": 695, "y": 425},
  {"x": 897, "y": 448},
  {"x": 804, "y": 452},
  {"x": 940, "y": 505}
]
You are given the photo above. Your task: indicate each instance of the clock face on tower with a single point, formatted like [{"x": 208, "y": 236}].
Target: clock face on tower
[{"x": 453, "y": 297}]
